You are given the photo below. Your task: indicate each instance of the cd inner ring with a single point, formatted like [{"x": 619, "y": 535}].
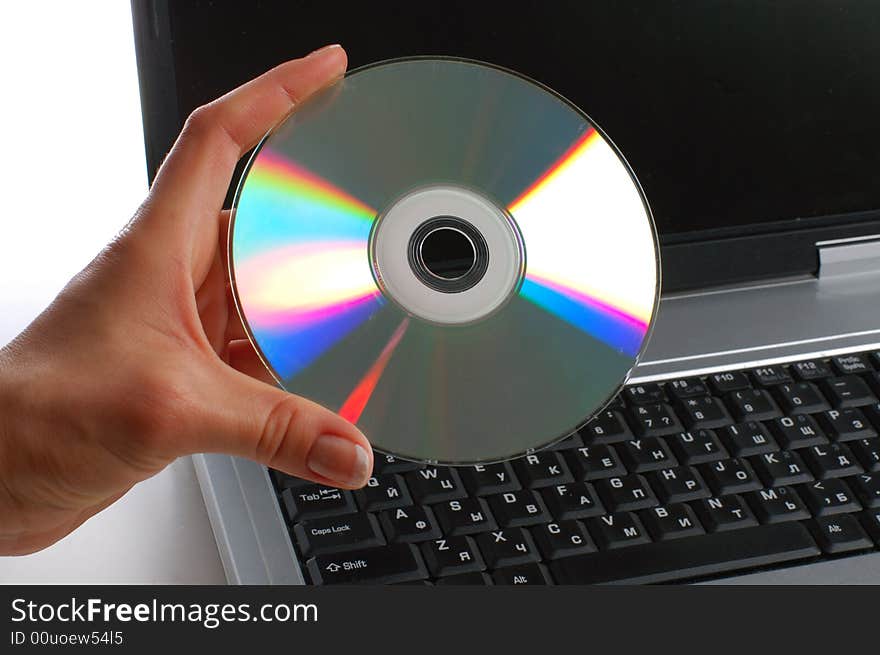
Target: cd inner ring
[{"x": 397, "y": 254}]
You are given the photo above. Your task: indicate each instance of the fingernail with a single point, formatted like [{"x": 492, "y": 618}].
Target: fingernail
[
  {"x": 332, "y": 46},
  {"x": 340, "y": 460}
]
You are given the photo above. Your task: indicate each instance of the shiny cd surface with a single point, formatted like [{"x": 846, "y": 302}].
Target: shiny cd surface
[{"x": 448, "y": 254}]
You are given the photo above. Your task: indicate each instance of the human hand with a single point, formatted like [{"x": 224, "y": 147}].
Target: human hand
[{"x": 142, "y": 359}]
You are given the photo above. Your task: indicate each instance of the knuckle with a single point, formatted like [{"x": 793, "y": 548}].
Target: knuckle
[{"x": 283, "y": 432}]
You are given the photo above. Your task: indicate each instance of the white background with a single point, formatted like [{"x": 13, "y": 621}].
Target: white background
[{"x": 72, "y": 172}]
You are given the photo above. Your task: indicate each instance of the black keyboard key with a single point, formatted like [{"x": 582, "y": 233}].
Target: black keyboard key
[
  {"x": 799, "y": 431},
  {"x": 846, "y": 424},
  {"x": 697, "y": 447},
  {"x": 383, "y": 492},
  {"x": 875, "y": 359},
  {"x": 725, "y": 513},
  {"x": 781, "y": 468},
  {"x": 704, "y": 412},
  {"x": 752, "y": 405},
  {"x": 767, "y": 376},
  {"x": 472, "y": 578},
  {"x": 800, "y": 398},
  {"x": 517, "y": 508},
  {"x": 728, "y": 381},
  {"x": 684, "y": 388},
  {"x": 693, "y": 557},
  {"x": 777, "y": 505},
  {"x": 873, "y": 414},
  {"x": 410, "y": 524},
  {"x": 465, "y": 516},
  {"x": 644, "y": 394},
  {"x": 489, "y": 479},
  {"x": 831, "y": 461},
  {"x": 645, "y": 454},
  {"x": 337, "y": 534},
  {"x": 871, "y": 523},
  {"x": 848, "y": 391},
  {"x": 523, "y": 574},
  {"x": 813, "y": 369},
  {"x": 851, "y": 364},
  {"x": 562, "y": 539},
  {"x": 748, "y": 439},
  {"x": 607, "y": 427},
  {"x": 577, "y": 500},
  {"x": 654, "y": 420},
  {"x": 595, "y": 462},
  {"x": 313, "y": 501},
  {"x": 868, "y": 453},
  {"x": 452, "y": 555},
  {"x": 867, "y": 488},
  {"x": 679, "y": 484},
  {"x": 731, "y": 476},
  {"x": 618, "y": 530},
  {"x": 674, "y": 521},
  {"x": 380, "y": 565},
  {"x": 387, "y": 464},
  {"x": 507, "y": 547},
  {"x": 626, "y": 493},
  {"x": 435, "y": 484},
  {"x": 827, "y": 497},
  {"x": 874, "y": 382},
  {"x": 839, "y": 534},
  {"x": 542, "y": 469},
  {"x": 284, "y": 481}
]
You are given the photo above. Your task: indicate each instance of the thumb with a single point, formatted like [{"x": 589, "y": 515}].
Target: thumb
[{"x": 249, "y": 418}]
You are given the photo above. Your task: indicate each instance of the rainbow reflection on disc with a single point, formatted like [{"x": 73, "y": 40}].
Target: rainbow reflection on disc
[{"x": 525, "y": 330}]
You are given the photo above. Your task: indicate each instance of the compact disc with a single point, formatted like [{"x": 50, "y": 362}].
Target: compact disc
[{"x": 448, "y": 254}]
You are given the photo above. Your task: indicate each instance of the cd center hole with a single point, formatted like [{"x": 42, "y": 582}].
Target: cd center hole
[{"x": 448, "y": 253}]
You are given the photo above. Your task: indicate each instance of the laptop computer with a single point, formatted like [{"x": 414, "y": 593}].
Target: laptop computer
[{"x": 745, "y": 448}]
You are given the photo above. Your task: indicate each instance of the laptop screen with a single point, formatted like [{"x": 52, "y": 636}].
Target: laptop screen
[{"x": 736, "y": 117}]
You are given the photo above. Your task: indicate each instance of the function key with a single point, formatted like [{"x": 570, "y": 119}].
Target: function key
[
  {"x": 435, "y": 484},
  {"x": 338, "y": 533},
  {"x": 851, "y": 364},
  {"x": 799, "y": 431},
  {"x": 687, "y": 388},
  {"x": 654, "y": 420},
  {"x": 800, "y": 398},
  {"x": 644, "y": 394},
  {"x": 488, "y": 479},
  {"x": 812, "y": 369},
  {"x": 848, "y": 391},
  {"x": 768, "y": 376},
  {"x": 839, "y": 534},
  {"x": 752, "y": 405},
  {"x": 542, "y": 470},
  {"x": 747, "y": 439},
  {"x": 728, "y": 381},
  {"x": 607, "y": 427},
  {"x": 316, "y": 501},
  {"x": 846, "y": 424}
]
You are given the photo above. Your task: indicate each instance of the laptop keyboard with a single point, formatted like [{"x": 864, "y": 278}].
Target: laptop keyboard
[{"x": 677, "y": 480}]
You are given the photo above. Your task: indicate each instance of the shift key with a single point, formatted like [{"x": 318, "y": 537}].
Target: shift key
[{"x": 382, "y": 565}]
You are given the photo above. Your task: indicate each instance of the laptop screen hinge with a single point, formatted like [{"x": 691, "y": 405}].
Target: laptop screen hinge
[{"x": 845, "y": 257}]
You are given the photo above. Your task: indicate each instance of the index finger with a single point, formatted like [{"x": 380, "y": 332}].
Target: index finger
[{"x": 193, "y": 180}]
